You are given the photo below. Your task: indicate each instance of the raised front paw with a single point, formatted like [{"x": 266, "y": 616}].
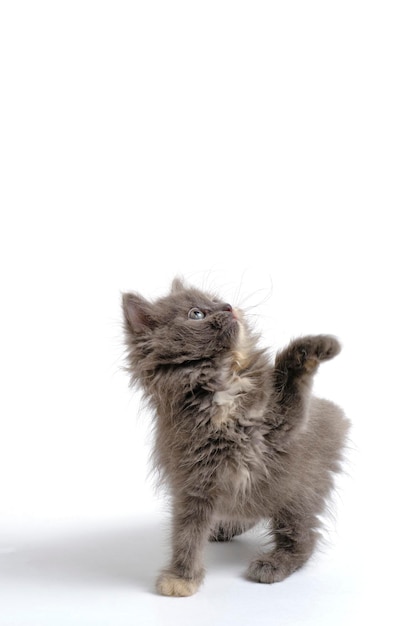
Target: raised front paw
[{"x": 305, "y": 353}]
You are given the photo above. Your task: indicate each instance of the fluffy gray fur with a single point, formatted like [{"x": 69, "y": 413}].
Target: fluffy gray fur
[{"x": 238, "y": 439}]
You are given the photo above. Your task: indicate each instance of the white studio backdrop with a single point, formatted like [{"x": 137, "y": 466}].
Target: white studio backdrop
[{"x": 266, "y": 150}]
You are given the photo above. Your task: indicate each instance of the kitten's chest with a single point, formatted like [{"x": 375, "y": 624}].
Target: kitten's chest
[
  {"x": 236, "y": 415},
  {"x": 231, "y": 399}
]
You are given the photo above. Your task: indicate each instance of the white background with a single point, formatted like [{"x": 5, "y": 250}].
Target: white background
[{"x": 268, "y": 150}]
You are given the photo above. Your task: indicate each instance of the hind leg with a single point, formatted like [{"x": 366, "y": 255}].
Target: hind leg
[
  {"x": 295, "y": 540},
  {"x": 225, "y": 531}
]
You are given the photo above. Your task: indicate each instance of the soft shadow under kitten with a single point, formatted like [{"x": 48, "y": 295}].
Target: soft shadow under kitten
[{"x": 238, "y": 439}]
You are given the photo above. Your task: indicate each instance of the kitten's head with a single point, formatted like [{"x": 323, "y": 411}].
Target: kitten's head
[{"x": 185, "y": 326}]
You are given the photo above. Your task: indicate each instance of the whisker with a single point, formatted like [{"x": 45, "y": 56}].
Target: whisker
[
  {"x": 239, "y": 287},
  {"x": 265, "y": 299}
]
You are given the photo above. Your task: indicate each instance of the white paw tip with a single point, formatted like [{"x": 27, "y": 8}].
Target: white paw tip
[{"x": 169, "y": 585}]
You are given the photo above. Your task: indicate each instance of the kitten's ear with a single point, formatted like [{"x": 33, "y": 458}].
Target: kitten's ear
[
  {"x": 177, "y": 285},
  {"x": 137, "y": 313}
]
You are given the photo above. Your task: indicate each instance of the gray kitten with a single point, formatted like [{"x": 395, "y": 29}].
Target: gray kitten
[{"x": 238, "y": 439}]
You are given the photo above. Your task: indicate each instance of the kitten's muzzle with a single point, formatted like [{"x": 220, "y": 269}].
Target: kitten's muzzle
[
  {"x": 229, "y": 309},
  {"x": 225, "y": 317}
]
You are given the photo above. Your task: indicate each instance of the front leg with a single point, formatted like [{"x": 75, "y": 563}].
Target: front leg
[
  {"x": 190, "y": 530},
  {"x": 293, "y": 376},
  {"x": 295, "y": 538}
]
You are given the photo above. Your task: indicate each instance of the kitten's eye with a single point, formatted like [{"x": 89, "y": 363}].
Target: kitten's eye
[{"x": 196, "y": 314}]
